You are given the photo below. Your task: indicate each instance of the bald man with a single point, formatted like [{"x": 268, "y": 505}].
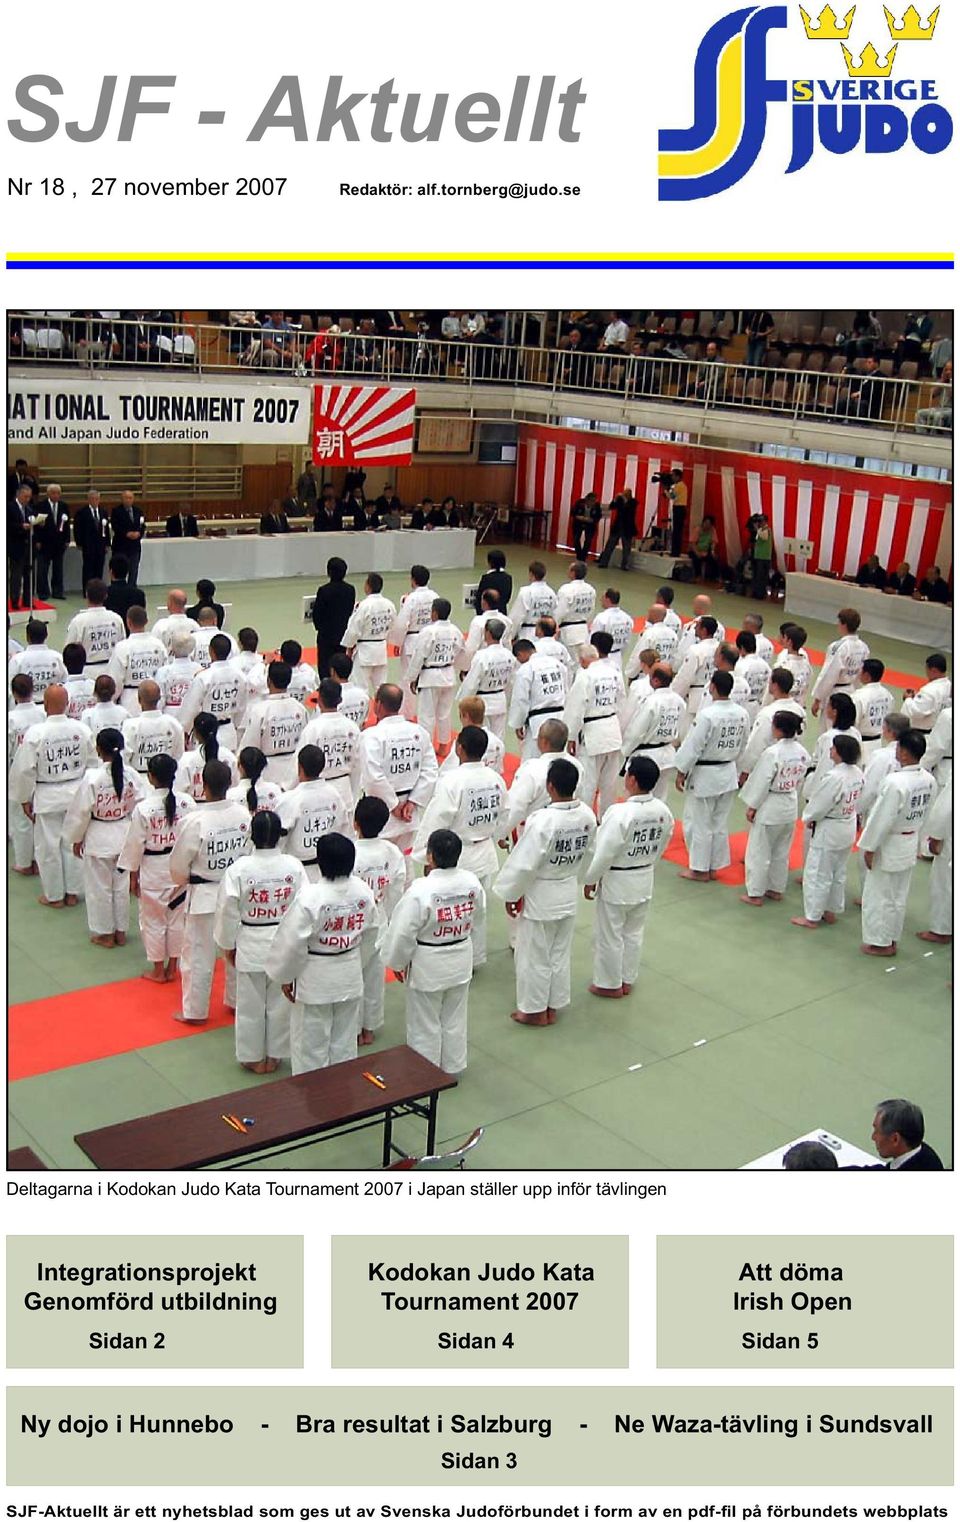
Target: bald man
[
  {"x": 151, "y": 733},
  {"x": 702, "y": 608},
  {"x": 656, "y": 635},
  {"x": 47, "y": 771},
  {"x": 135, "y": 659},
  {"x": 175, "y": 621}
]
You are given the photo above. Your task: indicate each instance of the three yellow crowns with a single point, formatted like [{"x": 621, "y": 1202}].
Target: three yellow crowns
[{"x": 828, "y": 29}]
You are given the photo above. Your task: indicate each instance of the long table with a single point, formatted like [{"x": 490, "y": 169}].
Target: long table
[
  {"x": 847, "y": 1155},
  {"x": 288, "y": 1114},
  {"x": 260, "y": 557},
  {"x": 919, "y": 623}
]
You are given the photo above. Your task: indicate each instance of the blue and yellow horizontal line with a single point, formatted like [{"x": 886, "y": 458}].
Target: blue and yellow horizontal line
[{"x": 196, "y": 260}]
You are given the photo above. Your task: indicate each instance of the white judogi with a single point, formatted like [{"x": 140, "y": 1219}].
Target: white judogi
[
  {"x": 354, "y": 703},
  {"x": 210, "y": 840},
  {"x": 709, "y": 759},
  {"x": 773, "y": 790},
  {"x": 42, "y": 664},
  {"x": 201, "y": 645},
  {"x": 939, "y": 826},
  {"x": 491, "y": 676},
  {"x": 927, "y": 703},
  {"x": 591, "y": 714},
  {"x": 619, "y": 625},
  {"x": 274, "y": 725},
  {"x": 474, "y": 637},
  {"x": 765, "y": 650},
  {"x": 797, "y": 662},
  {"x": 133, "y": 660},
  {"x": 366, "y": 636},
  {"x": 151, "y": 734},
  {"x": 318, "y": 948},
  {"x": 653, "y": 730},
  {"x": 170, "y": 625},
  {"x": 547, "y": 645},
  {"x": 840, "y": 671},
  {"x": 432, "y": 669},
  {"x": 873, "y": 702},
  {"x": 659, "y": 637},
  {"x": 103, "y": 716},
  {"x": 399, "y": 763},
  {"x": 821, "y": 761},
  {"x": 430, "y": 936},
  {"x": 493, "y": 756},
  {"x": 189, "y": 778},
  {"x": 413, "y": 615},
  {"x": 534, "y": 601},
  {"x": 755, "y": 672},
  {"x": 691, "y": 679},
  {"x": 893, "y": 831},
  {"x": 175, "y": 679},
  {"x": 255, "y": 894},
  {"x": 98, "y": 630},
  {"x": 147, "y": 848},
  {"x": 739, "y": 694},
  {"x": 472, "y": 802},
  {"x": 47, "y": 770},
  {"x": 528, "y": 790},
  {"x": 267, "y": 793},
  {"x": 545, "y": 870},
  {"x": 687, "y": 639},
  {"x": 98, "y": 818},
  {"x": 304, "y": 681},
  {"x": 382, "y": 868},
  {"x": 222, "y": 690},
  {"x": 761, "y": 734},
  {"x": 20, "y": 829},
  {"x": 308, "y": 811},
  {"x": 832, "y": 810},
  {"x": 339, "y": 739},
  {"x": 539, "y": 693},
  {"x": 576, "y": 601},
  {"x": 250, "y": 664},
  {"x": 882, "y": 762},
  {"x": 79, "y": 695},
  {"x": 630, "y": 841}
]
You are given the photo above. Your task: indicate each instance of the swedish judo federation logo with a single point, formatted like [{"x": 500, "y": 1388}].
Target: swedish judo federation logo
[{"x": 732, "y": 92}]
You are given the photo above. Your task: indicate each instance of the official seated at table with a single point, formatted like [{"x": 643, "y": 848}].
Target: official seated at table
[
  {"x": 933, "y": 588},
  {"x": 275, "y": 521},
  {"x": 451, "y": 512},
  {"x": 872, "y": 574},
  {"x": 328, "y": 518},
  {"x": 418, "y": 518},
  {"x": 353, "y": 513},
  {"x": 206, "y": 594},
  {"x": 902, "y": 581},
  {"x": 292, "y": 507},
  {"x": 436, "y": 517},
  {"x": 898, "y": 1131},
  {"x": 810, "y": 1157},
  {"x": 182, "y": 525},
  {"x": 388, "y": 504}
]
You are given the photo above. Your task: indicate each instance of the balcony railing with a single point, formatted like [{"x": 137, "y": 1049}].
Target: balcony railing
[{"x": 102, "y": 342}]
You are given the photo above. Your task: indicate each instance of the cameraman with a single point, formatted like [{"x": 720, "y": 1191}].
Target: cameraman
[{"x": 677, "y": 493}]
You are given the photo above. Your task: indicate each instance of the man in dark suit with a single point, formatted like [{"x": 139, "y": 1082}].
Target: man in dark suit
[
  {"x": 52, "y": 538},
  {"x": 183, "y": 525},
  {"x": 274, "y": 521},
  {"x": 206, "y": 593},
  {"x": 20, "y": 476},
  {"x": 898, "y": 1137},
  {"x": 128, "y": 526},
  {"x": 91, "y": 535},
  {"x": 19, "y": 513},
  {"x": 623, "y": 528},
  {"x": 332, "y": 607},
  {"x": 497, "y": 579},
  {"x": 120, "y": 594}
]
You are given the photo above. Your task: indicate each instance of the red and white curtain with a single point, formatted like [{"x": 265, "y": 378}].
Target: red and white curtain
[{"x": 848, "y": 514}]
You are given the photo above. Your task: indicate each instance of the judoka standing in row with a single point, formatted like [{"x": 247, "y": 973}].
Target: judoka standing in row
[{"x": 707, "y": 767}]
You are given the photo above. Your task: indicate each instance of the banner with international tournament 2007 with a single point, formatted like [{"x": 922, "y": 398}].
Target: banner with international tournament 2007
[
  {"x": 71, "y": 408},
  {"x": 363, "y": 425}
]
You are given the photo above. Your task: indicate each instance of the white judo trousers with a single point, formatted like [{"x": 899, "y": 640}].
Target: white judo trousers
[
  {"x": 230, "y": 986},
  {"x": 197, "y": 961},
  {"x": 824, "y": 878},
  {"x": 21, "y": 836},
  {"x": 542, "y": 963},
  {"x": 618, "y": 931},
  {"x": 884, "y": 905},
  {"x": 941, "y": 890},
  {"x": 370, "y": 677},
  {"x": 107, "y": 893},
  {"x": 767, "y": 859},
  {"x": 324, "y": 1034},
  {"x": 601, "y": 778},
  {"x": 373, "y": 981},
  {"x": 60, "y": 870},
  {"x": 161, "y": 927},
  {"x": 434, "y": 708},
  {"x": 497, "y": 722},
  {"x": 437, "y": 1025},
  {"x": 705, "y": 830},
  {"x": 263, "y": 1018}
]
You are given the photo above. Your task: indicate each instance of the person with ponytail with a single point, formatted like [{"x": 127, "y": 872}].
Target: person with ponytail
[
  {"x": 255, "y": 894},
  {"x": 253, "y": 789},
  {"x": 151, "y": 834},
  {"x": 96, "y": 826},
  {"x": 205, "y": 747}
]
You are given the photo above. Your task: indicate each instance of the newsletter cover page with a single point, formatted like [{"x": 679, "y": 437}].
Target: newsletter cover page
[{"x": 479, "y": 803}]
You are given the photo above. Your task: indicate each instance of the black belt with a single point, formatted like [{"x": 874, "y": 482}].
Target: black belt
[
  {"x": 660, "y": 745},
  {"x": 273, "y": 756},
  {"x": 370, "y": 641},
  {"x": 442, "y": 945},
  {"x": 871, "y": 737},
  {"x": 714, "y": 763},
  {"x": 594, "y": 718},
  {"x": 99, "y": 663},
  {"x": 535, "y": 712},
  {"x": 342, "y": 953},
  {"x": 52, "y": 781},
  {"x": 943, "y": 758},
  {"x": 222, "y": 722},
  {"x": 574, "y": 623},
  {"x": 195, "y": 881},
  {"x": 490, "y": 692},
  {"x": 131, "y": 686},
  {"x": 637, "y": 867},
  {"x": 446, "y": 667},
  {"x": 259, "y": 924},
  {"x": 164, "y": 852}
]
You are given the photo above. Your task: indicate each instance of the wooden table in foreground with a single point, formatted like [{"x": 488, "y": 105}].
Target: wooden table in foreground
[
  {"x": 288, "y": 1114},
  {"x": 24, "y": 1160}
]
